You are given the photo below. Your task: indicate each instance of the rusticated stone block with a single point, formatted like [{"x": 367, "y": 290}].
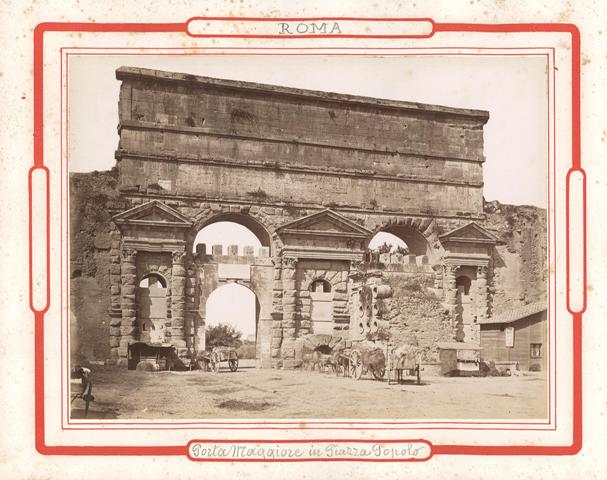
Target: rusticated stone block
[
  {"x": 178, "y": 271},
  {"x": 114, "y": 342},
  {"x": 288, "y": 332},
  {"x": 287, "y": 275},
  {"x": 129, "y": 279},
  {"x": 127, "y": 269},
  {"x": 127, "y": 331},
  {"x": 178, "y": 289},
  {"x": 129, "y": 289}
]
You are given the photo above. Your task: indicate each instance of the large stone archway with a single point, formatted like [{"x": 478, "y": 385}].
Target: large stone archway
[{"x": 314, "y": 192}]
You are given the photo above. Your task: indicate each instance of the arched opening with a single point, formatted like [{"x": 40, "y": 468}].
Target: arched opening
[
  {"x": 232, "y": 229},
  {"x": 153, "y": 280},
  {"x": 403, "y": 239},
  {"x": 152, "y": 311},
  {"x": 385, "y": 242},
  {"x": 232, "y": 318},
  {"x": 324, "y": 349},
  {"x": 321, "y": 306},
  {"x": 320, "y": 286},
  {"x": 463, "y": 284}
]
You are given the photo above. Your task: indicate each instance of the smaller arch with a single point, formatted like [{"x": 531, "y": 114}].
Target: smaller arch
[
  {"x": 320, "y": 285},
  {"x": 324, "y": 349},
  {"x": 153, "y": 279},
  {"x": 465, "y": 282}
]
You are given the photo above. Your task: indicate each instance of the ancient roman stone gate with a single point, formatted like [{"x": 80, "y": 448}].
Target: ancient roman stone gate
[{"x": 314, "y": 176}]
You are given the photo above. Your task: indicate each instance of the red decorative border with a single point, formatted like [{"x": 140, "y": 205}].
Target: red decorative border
[{"x": 39, "y": 313}]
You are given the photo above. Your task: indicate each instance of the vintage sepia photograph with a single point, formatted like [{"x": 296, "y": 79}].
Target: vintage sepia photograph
[{"x": 308, "y": 237}]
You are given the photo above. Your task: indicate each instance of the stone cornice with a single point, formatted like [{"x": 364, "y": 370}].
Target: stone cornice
[
  {"x": 342, "y": 209},
  {"x": 275, "y": 92}
]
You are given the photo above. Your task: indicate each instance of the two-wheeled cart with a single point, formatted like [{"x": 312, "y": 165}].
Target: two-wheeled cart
[{"x": 211, "y": 360}]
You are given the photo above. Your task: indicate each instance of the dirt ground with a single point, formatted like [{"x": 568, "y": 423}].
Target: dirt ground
[{"x": 255, "y": 393}]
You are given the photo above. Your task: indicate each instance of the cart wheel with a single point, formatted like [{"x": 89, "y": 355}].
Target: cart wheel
[
  {"x": 356, "y": 365},
  {"x": 214, "y": 362},
  {"x": 379, "y": 373},
  {"x": 233, "y": 364}
]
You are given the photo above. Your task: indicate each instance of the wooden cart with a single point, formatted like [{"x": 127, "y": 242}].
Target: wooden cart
[
  {"x": 367, "y": 358},
  {"x": 403, "y": 360},
  {"x": 211, "y": 360}
]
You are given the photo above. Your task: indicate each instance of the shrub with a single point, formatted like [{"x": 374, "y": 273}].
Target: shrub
[
  {"x": 223, "y": 335},
  {"x": 535, "y": 367}
]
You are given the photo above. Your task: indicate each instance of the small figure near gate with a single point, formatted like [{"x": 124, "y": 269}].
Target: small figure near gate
[{"x": 80, "y": 379}]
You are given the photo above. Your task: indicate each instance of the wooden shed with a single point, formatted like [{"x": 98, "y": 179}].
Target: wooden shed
[{"x": 517, "y": 336}]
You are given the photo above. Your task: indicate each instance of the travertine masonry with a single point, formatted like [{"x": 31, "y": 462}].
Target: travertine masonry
[{"x": 314, "y": 176}]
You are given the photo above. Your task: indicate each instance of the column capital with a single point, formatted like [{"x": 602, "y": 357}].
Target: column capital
[
  {"x": 451, "y": 269},
  {"x": 178, "y": 256},
  {"x": 128, "y": 254},
  {"x": 482, "y": 270},
  {"x": 289, "y": 262}
]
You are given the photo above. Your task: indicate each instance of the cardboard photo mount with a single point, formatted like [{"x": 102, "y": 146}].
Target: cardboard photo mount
[{"x": 572, "y": 257}]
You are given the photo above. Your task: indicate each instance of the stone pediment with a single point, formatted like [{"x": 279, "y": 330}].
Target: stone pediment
[
  {"x": 153, "y": 213},
  {"x": 471, "y": 233},
  {"x": 324, "y": 223}
]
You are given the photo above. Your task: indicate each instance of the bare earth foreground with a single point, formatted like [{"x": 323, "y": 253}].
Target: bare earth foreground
[{"x": 253, "y": 393}]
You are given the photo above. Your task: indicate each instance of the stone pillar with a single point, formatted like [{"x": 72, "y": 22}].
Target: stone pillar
[
  {"x": 178, "y": 281},
  {"x": 450, "y": 286},
  {"x": 481, "y": 299},
  {"x": 451, "y": 301},
  {"x": 115, "y": 299},
  {"x": 190, "y": 307},
  {"x": 289, "y": 307},
  {"x": 128, "y": 291},
  {"x": 276, "y": 341}
]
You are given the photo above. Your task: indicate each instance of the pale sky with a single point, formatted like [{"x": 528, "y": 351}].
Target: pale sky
[{"x": 232, "y": 304}]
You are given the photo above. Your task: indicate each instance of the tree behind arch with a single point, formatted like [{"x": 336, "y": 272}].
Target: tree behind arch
[{"x": 223, "y": 335}]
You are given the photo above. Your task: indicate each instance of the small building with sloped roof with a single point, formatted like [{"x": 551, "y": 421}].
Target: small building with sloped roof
[{"x": 516, "y": 336}]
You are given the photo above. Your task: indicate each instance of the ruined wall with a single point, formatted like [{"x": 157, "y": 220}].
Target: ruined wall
[
  {"x": 93, "y": 196},
  {"x": 415, "y": 315},
  {"x": 520, "y": 268}
]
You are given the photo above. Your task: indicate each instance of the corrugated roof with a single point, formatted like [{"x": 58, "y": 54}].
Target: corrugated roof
[{"x": 515, "y": 314}]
